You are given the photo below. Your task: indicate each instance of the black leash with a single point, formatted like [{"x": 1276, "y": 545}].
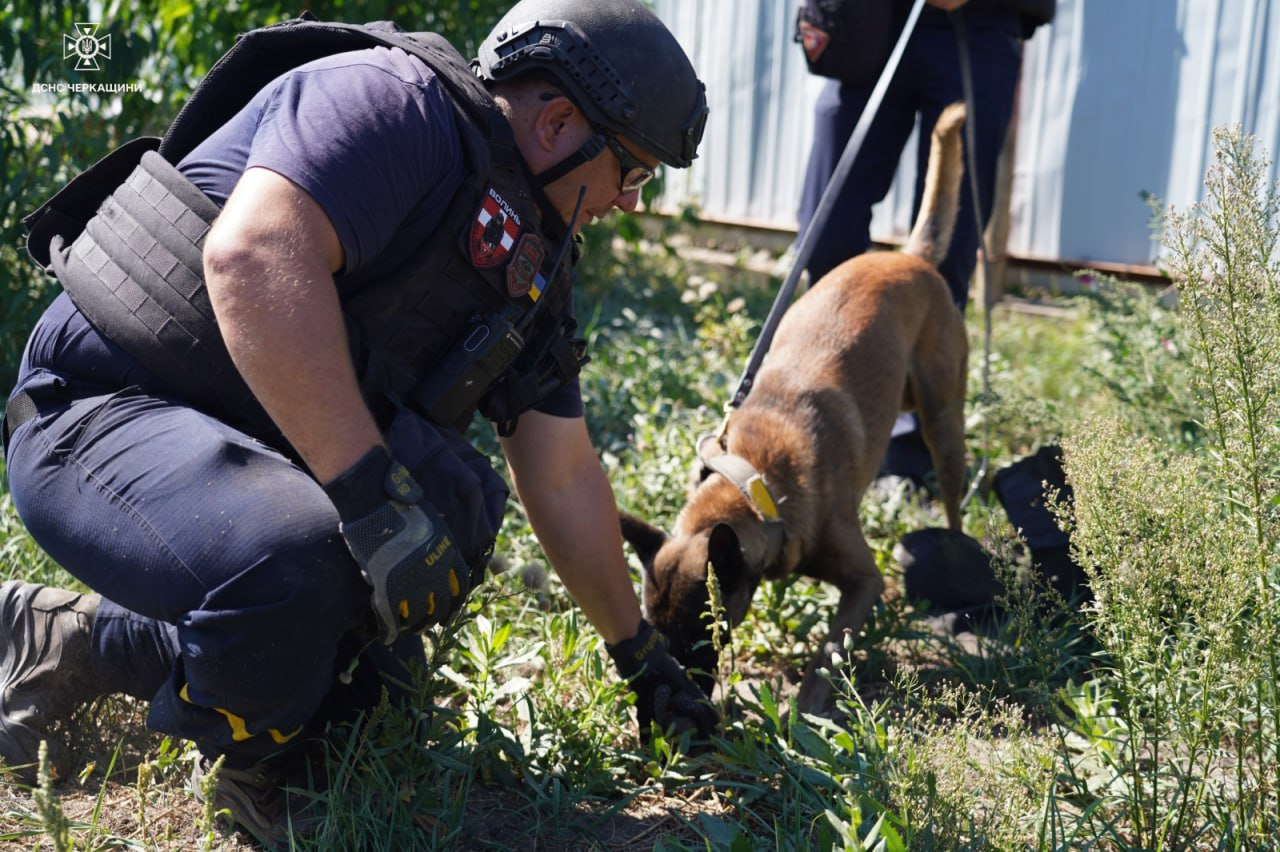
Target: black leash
[
  {"x": 956, "y": 17},
  {"x": 805, "y": 247}
]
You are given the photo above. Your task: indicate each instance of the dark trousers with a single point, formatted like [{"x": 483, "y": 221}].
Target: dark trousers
[
  {"x": 927, "y": 80},
  {"x": 230, "y": 600}
]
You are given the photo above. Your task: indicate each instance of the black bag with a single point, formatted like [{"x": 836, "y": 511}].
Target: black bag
[{"x": 848, "y": 40}]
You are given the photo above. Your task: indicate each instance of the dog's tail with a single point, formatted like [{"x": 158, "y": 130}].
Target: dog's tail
[{"x": 931, "y": 236}]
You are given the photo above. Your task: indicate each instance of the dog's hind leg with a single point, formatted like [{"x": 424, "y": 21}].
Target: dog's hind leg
[
  {"x": 938, "y": 380},
  {"x": 946, "y": 445},
  {"x": 860, "y": 584}
]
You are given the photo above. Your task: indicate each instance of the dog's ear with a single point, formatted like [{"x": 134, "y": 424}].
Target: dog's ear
[
  {"x": 644, "y": 538},
  {"x": 737, "y": 579},
  {"x": 724, "y": 552}
]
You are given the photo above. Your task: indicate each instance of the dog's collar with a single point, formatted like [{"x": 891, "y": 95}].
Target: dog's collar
[{"x": 745, "y": 478}]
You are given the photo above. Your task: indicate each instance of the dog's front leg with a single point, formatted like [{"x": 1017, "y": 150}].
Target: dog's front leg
[{"x": 858, "y": 594}]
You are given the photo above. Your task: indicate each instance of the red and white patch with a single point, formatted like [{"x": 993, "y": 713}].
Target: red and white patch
[
  {"x": 494, "y": 230},
  {"x": 815, "y": 40}
]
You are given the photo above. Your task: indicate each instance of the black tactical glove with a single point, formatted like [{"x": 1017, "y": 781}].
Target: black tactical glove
[
  {"x": 402, "y": 544},
  {"x": 664, "y": 692}
]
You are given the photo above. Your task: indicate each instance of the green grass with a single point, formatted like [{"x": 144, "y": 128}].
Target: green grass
[
  {"x": 532, "y": 743},
  {"x": 1150, "y": 721}
]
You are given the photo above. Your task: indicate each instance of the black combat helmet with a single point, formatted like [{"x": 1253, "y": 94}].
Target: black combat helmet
[{"x": 616, "y": 60}]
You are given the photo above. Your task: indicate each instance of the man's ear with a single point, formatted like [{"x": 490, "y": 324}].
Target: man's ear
[{"x": 554, "y": 123}]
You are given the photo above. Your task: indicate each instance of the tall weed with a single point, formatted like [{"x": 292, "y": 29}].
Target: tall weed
[{"x": 1180, "y": 542}]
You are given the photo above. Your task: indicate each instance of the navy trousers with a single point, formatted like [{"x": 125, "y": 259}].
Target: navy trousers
[
  {"x": 926, "y": 81},
  {"x": 230, "y": 602}
]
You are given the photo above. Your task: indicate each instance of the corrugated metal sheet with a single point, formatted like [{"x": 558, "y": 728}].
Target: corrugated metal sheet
[{"x": 1119, "y": 99}]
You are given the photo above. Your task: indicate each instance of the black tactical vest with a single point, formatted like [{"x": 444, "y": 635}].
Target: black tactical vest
[{"x": 470, "y": 320}]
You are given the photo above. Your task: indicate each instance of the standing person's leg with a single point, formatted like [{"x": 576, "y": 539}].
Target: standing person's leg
[
  {"x": 995, "y": 60},
  {"x": 995, "y": 53},
  {"x": 847, "y": 231},
  {"x": 231, "y": 591}
]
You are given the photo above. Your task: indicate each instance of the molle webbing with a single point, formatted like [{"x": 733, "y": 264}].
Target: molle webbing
[{"x": 136, "y": 273}]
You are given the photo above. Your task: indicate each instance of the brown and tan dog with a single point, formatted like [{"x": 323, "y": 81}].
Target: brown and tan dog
[{"x": 780, "y": 491}]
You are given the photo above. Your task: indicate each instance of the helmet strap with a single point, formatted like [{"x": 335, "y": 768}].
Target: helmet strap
[
  {"x": 552, "y": 221},
  {"x": 588, "y": 152}
]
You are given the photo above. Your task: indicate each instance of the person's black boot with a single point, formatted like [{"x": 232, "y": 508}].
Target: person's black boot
[
  {"x": 277, "y": 800},
  {"x": 46, "y": 671},
  {"x": 1027, "y": 489}
]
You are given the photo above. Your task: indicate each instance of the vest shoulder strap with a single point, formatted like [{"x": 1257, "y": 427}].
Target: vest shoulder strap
[
  {"x": 257, "y": 58},
  {"x": 261, "y": 55}
]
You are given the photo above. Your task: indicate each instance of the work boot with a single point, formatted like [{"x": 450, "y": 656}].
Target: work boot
[
  {"x": 267, "y": 799},
  {"x": 46, "y": 673}
]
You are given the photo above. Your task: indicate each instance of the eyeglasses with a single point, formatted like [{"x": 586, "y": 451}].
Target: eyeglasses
[{"x": 635, "y": 174}]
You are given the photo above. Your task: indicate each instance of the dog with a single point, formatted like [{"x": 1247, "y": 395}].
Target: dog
[{"x": 779, "y": 490}]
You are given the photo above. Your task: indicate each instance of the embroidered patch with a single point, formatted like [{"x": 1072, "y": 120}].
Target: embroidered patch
[
  {"x": 815, "y": 41},
  {"x": 524, "y": 265},
  {"x": 494, "y": 230}
]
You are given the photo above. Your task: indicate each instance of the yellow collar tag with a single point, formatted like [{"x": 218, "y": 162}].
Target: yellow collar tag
[{"x": 762, "y": 498}]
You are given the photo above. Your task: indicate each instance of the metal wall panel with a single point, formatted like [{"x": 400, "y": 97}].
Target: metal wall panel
[{"x": 1119, "y": 100}]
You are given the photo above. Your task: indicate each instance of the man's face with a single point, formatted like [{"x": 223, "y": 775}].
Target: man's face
[
  {"x": 603, "y": 178},
  {"x": 612, "y": 178},
  {"x": 549, "y": 127}
]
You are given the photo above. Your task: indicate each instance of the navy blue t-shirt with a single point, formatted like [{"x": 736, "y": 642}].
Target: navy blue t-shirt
[{"x": 370, "y": 135}]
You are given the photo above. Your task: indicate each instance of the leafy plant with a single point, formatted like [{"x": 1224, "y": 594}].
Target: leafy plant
[{"x": 1180, "y": 539}]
